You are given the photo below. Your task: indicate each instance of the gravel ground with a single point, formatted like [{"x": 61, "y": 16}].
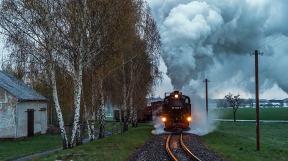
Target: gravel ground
[
  {"x": 154, "y": 149},
  {"x": 197, "y": 147}
]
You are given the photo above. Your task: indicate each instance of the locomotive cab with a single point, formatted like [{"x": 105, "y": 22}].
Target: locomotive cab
[{"x": 176, "y": 112}]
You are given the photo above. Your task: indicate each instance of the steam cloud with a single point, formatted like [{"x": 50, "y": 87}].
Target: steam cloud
[{"x": 214, "y": 39}]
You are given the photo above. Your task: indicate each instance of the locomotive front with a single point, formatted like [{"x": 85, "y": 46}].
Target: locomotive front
[{"x": 176, "y": 112}]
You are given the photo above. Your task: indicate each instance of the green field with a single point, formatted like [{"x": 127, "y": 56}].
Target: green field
[
  {"x": 13, "y": 149},
  {"x": 233, "y": 141},
  {"x": 236, "y": 142},
  {"x": 249, "y": 113},
  {"x": 115, "y": 148}
]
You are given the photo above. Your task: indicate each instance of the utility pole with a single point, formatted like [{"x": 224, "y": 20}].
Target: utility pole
[
  {"x": 206, "y": 95},
  {"x": 256, "y": 54}
]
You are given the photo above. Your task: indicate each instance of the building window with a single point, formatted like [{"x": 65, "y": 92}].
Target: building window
[{"x": 3, "y": 98}]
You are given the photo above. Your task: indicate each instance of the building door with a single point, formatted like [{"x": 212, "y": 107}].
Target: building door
[{"x": 30, "y": 122}]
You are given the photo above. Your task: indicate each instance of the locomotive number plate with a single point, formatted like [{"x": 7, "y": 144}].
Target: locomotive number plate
[{"x": 176, "y": 108}]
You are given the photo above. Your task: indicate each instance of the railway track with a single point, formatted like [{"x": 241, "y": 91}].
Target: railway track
[{"x": 177, "y": 150}]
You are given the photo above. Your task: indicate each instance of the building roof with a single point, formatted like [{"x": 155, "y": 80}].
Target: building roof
[{"x": 18, "y": 88}]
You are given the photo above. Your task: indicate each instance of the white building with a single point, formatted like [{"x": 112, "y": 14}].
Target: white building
[{"x": 23, "y": 112}]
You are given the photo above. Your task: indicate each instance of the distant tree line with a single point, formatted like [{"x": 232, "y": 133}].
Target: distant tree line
[{"x": 83, "y": 53}]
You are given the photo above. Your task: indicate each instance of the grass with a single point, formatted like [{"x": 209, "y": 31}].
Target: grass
[
  {"x": 249, "y": 113},
  {"x": 114, "y": 148},
  {"x": 12, "y": 149},
  {"x": 236, "y": 142}
]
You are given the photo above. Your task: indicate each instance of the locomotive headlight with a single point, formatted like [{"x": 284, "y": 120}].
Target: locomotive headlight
[
  {"x": 189, "y": 118},
  {"x": 176, "y": 96},
  {"x": 163, "y": 119}
]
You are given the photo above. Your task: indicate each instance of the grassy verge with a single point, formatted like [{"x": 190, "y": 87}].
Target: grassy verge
[
  {"x": 249, "y": 113},
  {"x": 236, "y": 142},
  {"x": 115, "y": 148},
  {"x": 13, "y": 149}
]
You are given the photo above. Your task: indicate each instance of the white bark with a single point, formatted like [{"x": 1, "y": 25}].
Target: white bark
[
  {"x": 135, "y": 117},
  {"x": 90, "y": 127},
  {"x": 77, "y": 102},
  {"x": 125, "y": 103},
  {"x": 131, "y": 109},
  {"x": 125, "y": 96},
  {"x": 58, "y": 108},
  {"x": 131, "y": 94},
  {"x": 89, "y": 130},
  {"x": 102, "y": 111},
  {"x": 133, "y": 112}
]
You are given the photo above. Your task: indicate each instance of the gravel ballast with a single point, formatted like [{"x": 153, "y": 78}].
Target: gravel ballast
[{"x": 154, "y": 149}]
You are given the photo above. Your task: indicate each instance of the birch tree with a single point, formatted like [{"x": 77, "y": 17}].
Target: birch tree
[
  {"x": 28, "y": 24},
  {"x": 116, "y": 42}
]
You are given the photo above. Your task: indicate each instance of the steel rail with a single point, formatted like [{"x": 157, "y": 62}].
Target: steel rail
[
  {"x": 169, "y": 150},
  {"x": 186, "y": 149}
]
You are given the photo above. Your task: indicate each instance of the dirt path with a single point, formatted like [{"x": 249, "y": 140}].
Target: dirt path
[{"x": 43, "y": 154}]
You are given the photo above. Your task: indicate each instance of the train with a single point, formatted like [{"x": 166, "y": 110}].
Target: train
[{"x": 176, "y": 112}]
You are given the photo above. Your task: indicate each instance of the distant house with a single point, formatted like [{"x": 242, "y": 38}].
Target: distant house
[
  {"x": 262, "y": 103},
  {"x": 275, "y": 103},
  {"x": 23, "y": 112},
  {"x": 285, "y": 102},
  {"x": 111, "y": 111}
]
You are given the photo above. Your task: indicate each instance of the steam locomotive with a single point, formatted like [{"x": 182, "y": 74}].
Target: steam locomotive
[{"x": 176, "y": 112}]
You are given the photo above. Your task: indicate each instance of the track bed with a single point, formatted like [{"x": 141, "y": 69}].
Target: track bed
[{"x": 155, "y": 149}]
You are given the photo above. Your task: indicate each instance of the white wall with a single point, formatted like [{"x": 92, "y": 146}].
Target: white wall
[
  {"x": 7, "y": 115},
  {"x": 40, "y": 117},
  {"x": 7, "y": 122}
]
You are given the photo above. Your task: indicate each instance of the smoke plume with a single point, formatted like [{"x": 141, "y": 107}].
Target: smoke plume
[{"x": 214, "y": 39}]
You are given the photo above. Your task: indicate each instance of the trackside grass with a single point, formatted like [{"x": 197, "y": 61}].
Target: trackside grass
[
  {"x": 236, "y": 142},
  {"x": 10, "y": 149},
  {"x": 249, "y": 113},
  {"x": 114, "y": 148}
]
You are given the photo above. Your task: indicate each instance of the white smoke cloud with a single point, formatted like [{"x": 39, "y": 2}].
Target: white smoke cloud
[
  {"x": 214, "y": 39},
  {"x": 183, "y": 33}
]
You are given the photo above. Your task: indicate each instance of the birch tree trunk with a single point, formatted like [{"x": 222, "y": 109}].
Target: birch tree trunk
[
  {"x": 93, "y": 102},
  {"x": 58, "y": 108},
  {"x": 125, "y": 110},
  {"x": 86, "y": 117},
  {"x": 89, "y": 124},
  {"x": 92, "y": 126},
  {"x": 134, "y": 118},
  {"x": 102, "y": 117},
  {"x": 131, "y": 92},
  {"x": 77, "y": 102},
  {"x": 132, "y": 110}
]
